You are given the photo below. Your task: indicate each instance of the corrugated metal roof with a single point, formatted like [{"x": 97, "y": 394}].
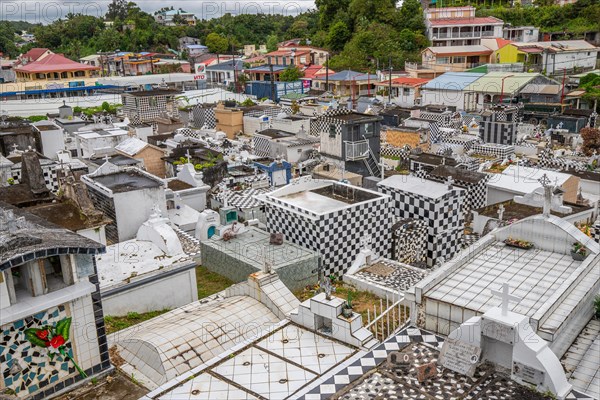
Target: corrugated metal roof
[
  {"x": 492, "y": 82},
  {"x": 452, "y": 81}
]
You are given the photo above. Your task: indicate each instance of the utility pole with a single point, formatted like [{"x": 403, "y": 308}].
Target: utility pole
[
  {"x": 272, "y": 76},
  {"x": 327, "y": 72},
  {"x": 562, "y": 92},
  {"x": 390, "y": 82}
]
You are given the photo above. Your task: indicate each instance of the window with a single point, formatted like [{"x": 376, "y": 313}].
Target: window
[
  {"x": 458, "y": 60},
  {"x": 442, "y": 60},
  {"x": 332, "y": 131},
  {"x": 406, "y": 92},
  {"x": 368, "y": 128}
]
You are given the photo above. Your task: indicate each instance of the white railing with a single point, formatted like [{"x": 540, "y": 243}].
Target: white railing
[
  {"x": 388, "y": 319},
  {"x": 357, "y": 150}
]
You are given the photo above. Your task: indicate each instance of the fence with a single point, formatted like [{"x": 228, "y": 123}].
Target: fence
[{"x": 388, "y": 319}]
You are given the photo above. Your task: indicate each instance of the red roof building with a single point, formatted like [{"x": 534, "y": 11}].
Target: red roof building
[
  {"x": 34, "y": 54},
  {"x": 53, "y": 67}
]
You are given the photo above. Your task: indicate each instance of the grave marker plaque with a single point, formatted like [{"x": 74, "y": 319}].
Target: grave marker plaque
[
  {"x": 460, "y": 356},
  {"x": 528, "y": 374}
]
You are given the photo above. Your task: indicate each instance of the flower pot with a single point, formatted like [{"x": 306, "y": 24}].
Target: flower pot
[
  {"x": 578, "y": 256},
  {"x": 347, "y": 312}
]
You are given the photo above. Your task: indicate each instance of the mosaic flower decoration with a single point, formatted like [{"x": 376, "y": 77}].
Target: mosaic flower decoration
[{"x": 54, "y": 339}]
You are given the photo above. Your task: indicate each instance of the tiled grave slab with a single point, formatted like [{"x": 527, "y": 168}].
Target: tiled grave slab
[
  {"x": 312, "y": 351},
  {"x": 265, "y": 374},
  {"x": 207, "y": 387}
]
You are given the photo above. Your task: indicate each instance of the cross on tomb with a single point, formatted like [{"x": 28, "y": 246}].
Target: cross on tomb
[
  {"x": 545, "y": 181},
  {"x": 365, "y": 241},
  {"x": 506, "y": 297},
  {"x": 106, "y": 158},
  {"x": 450, "y": 182},
  {"x": 501, "y": 211},
  {"x": 188, "y": 155}
]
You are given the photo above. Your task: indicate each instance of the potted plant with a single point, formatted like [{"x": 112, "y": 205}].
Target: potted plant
[
  {"x": 578, "y": 251},
  {"x": 518, "y": 243},
  {"x": 347, "y": 307}
]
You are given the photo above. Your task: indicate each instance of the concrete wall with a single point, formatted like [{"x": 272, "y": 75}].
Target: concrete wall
[
  {"x": 150, "y": 294},
  {"x": 133, "y": 208},
  {"x": 295, "y": 274}
]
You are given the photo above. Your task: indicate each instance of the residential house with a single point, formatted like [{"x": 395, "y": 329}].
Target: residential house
[
  {"x": 264, "y": 72},
  {"x": 186, "y": 40},
  {"x": 32, "y": 55},
  {"x": 350, "y": 139},
  {"x": 448, "y": 89},
  {"x": 455, "y": 58},
  {"x": 348, "y": 83},
  {"x": 522, "y": 34},
  {"x": 175, "y": 17},
  {"x": 495, "y": 87},
  {"x": 7, "y": 73},
  {"x": 225, "y": 72},
  {"x": 458, "y": 26},
  {"x": 405, "y": 91},
  {"x": 194, "y": 50},
  {"x": 318, "y": 56},
  {"x": 314, "y": 72},
  {"x": 289, "y": 57},
  {"x": 53, "y": 67},
  {"x": 552, "y": 57}
]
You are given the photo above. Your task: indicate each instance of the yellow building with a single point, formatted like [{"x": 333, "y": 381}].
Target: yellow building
[
  {"x": 519, "y": 53},
  {"x": 54, "y": 67}
]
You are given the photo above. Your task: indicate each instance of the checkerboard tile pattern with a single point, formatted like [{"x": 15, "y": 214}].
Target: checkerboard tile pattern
[
  {"x": 444, "y": 217},
  {"x": 203, "y": 116},
  {"x": 51, "y": 173},
  {"x": 336, "y": 235},
  {"x": 357, "y": 368}
]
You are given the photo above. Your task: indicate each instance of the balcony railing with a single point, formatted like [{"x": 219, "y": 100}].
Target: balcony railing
[
  {"x": 487, "y": 33},
  {"x": 357, "y": 150}
]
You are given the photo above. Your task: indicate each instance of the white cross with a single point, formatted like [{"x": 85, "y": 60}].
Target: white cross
[
  {"x": 501, "y": 211},
  {"x": 106, "y": 158},
  {"x": 450, "y": 181},
  {"x": 506, "y": 297},
  {"x": 187, "y": 155}
]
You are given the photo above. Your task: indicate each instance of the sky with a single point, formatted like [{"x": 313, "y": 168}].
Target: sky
[{"x": 47, "y": 11}]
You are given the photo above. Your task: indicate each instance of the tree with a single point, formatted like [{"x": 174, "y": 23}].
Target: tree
[
  {"x": 117, "y": 9},
  {"x": 338, "y": 36},
  {"x": 272, "y": 41},
  {"x": 591, "y": 141},
  {"x": 290, "y": 74},
  {"x": 217, "y": 43}
]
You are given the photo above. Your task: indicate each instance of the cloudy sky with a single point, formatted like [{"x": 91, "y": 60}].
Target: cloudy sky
[{"x": 46, "y": 11}]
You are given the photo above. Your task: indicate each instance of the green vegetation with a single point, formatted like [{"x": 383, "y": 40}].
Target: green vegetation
[
  {"x": 114, "y": 324},
  {"x": 37, "y": 118},
  {"x": 210, "y": 282},
  {"x": 104, "y": 108},
  {"x": 291, "y": 74},
  {"x": 597, "y": 306},
  {"x": 572, "y": 19}
]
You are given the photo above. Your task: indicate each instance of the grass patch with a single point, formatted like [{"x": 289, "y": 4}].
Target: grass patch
[
  {"x": 210, "y": 282},
  {"x": 361, "y": 302},
  {"x": 114, "y": 324}
]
